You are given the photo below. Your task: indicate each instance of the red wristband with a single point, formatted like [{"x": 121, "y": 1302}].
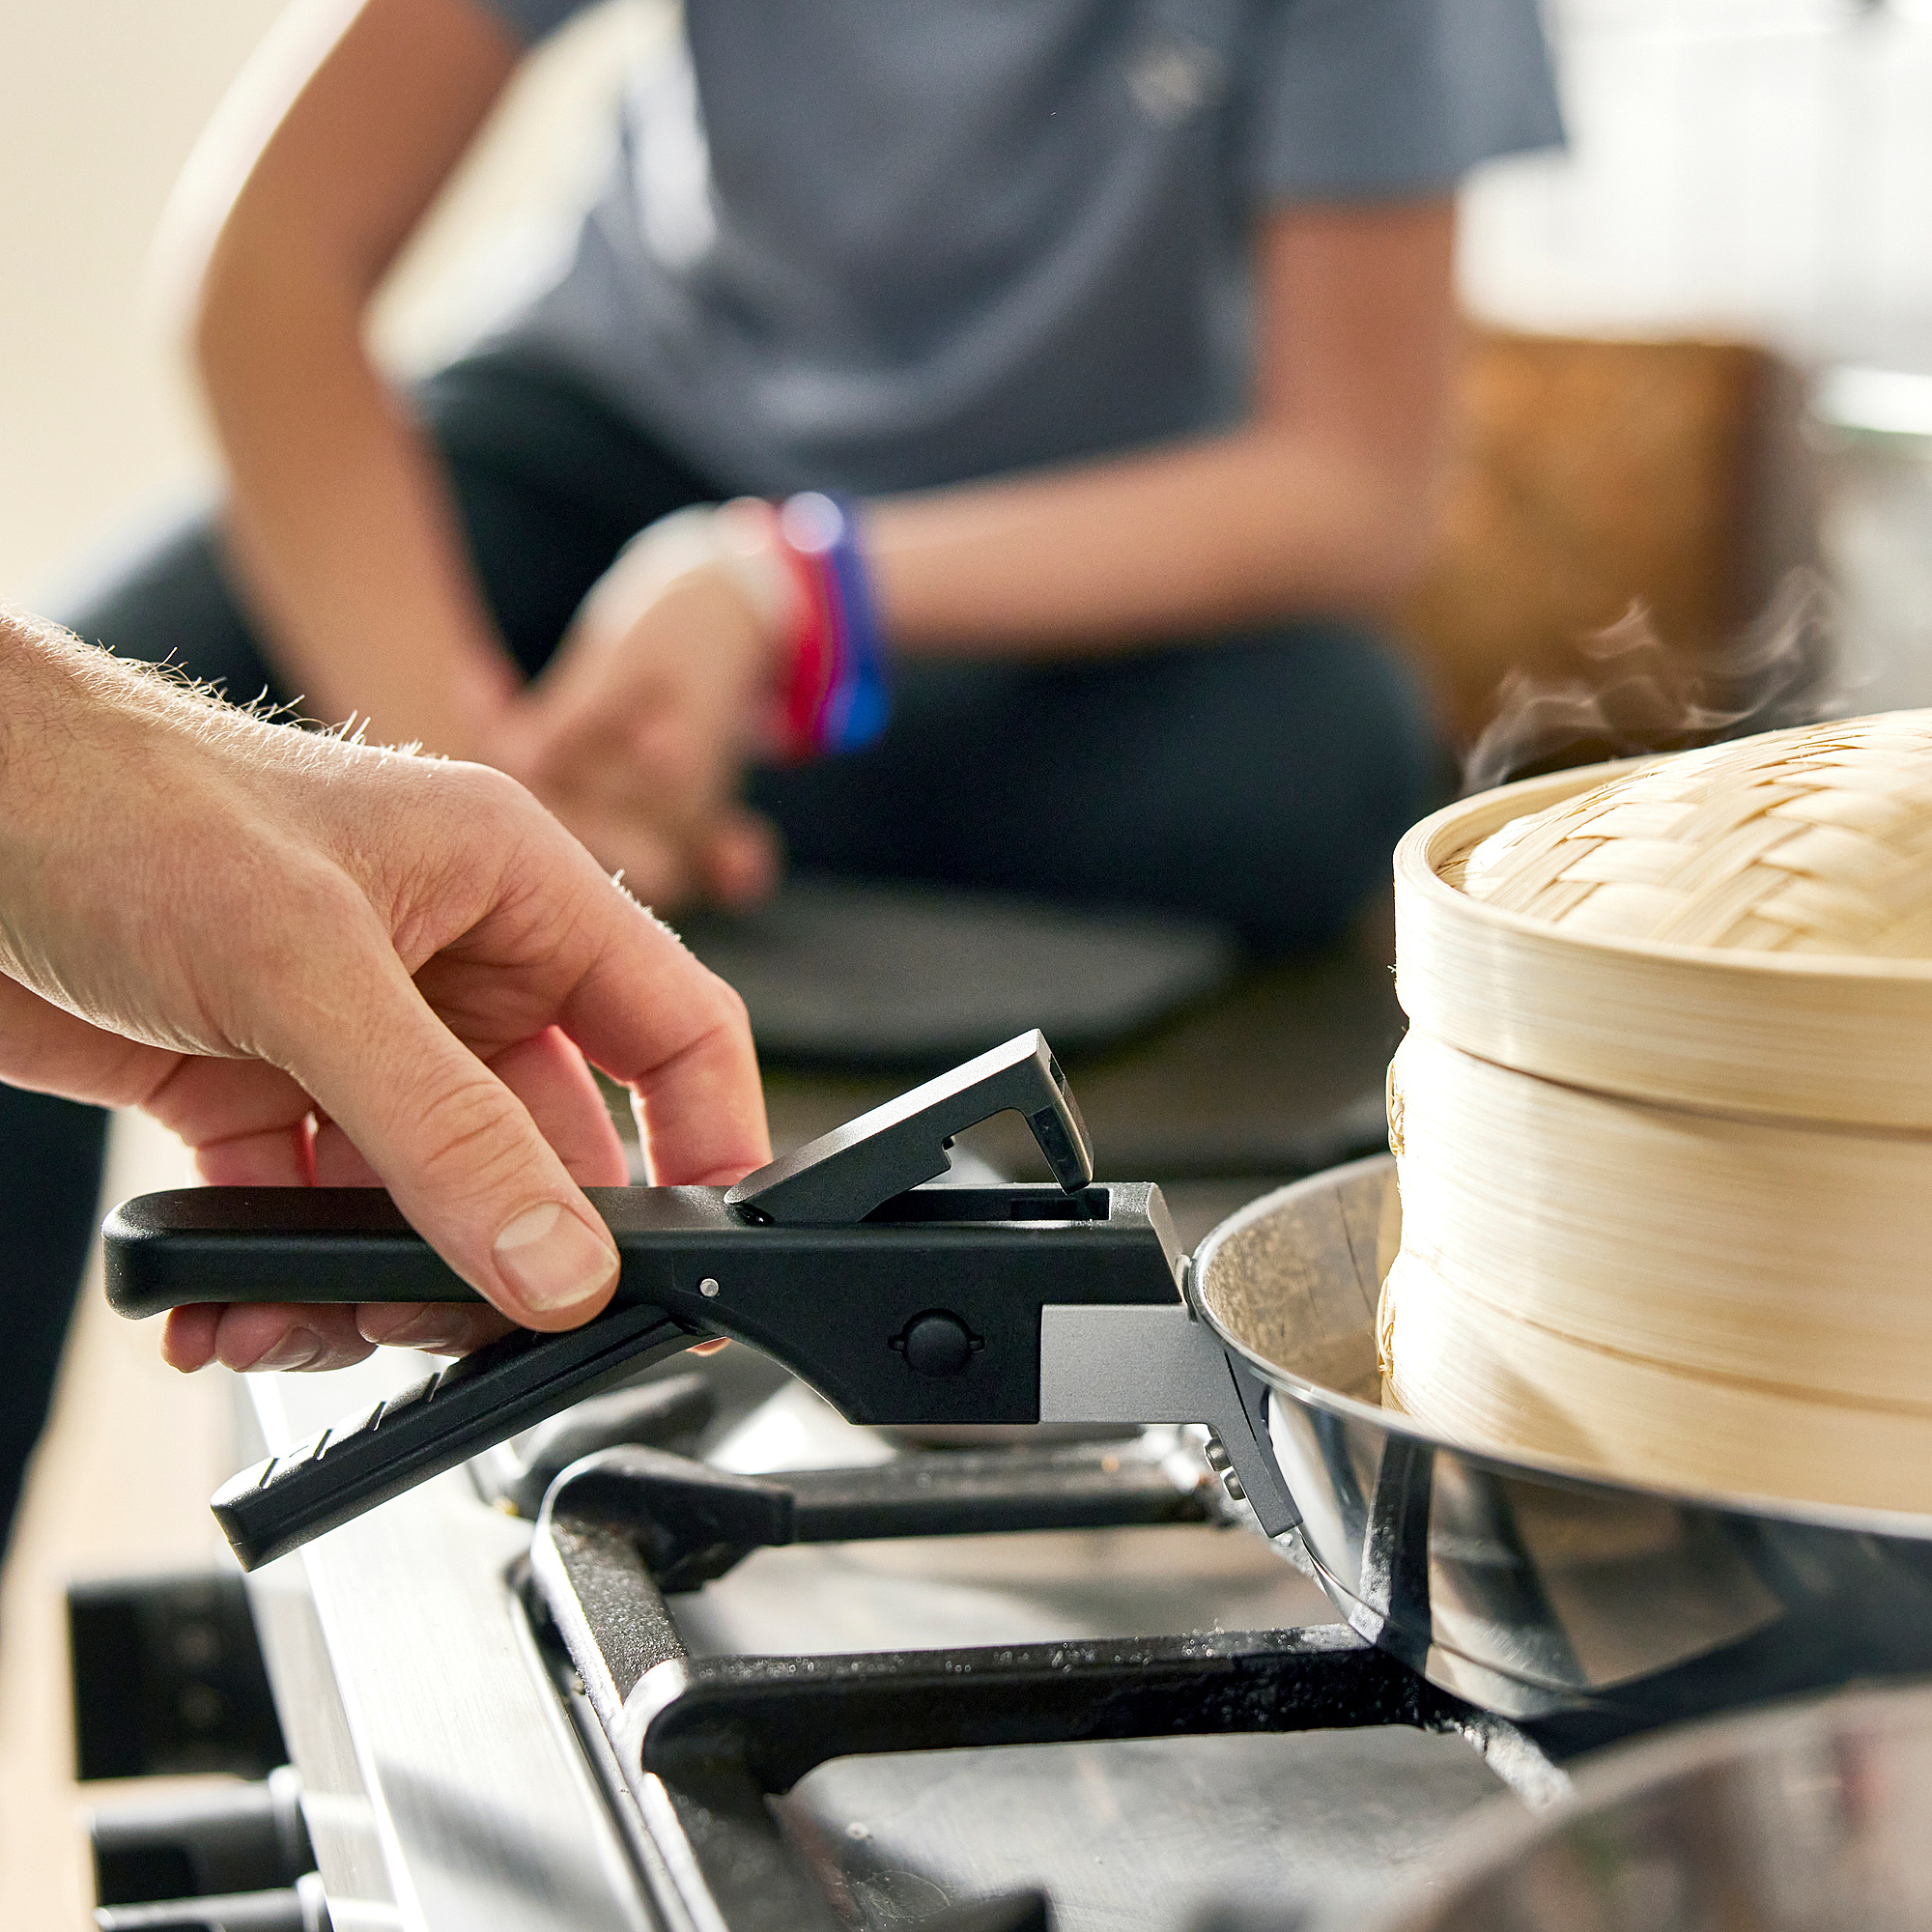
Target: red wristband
[{"x": 835, "y": 697}]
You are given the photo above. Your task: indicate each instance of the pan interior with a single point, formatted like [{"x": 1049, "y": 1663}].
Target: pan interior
[{"x": 1294, "y": 1277}]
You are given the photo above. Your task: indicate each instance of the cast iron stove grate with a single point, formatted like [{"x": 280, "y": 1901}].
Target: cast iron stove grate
[{"x": 694, "y": 1747}]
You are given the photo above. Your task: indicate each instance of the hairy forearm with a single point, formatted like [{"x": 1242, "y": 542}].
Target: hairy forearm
[
  {"x": 339, "y": 518},
  {"x": 52, "y": 689},
  {"x": 38, "y": 688},
  {"x": 84, "y": 742}
]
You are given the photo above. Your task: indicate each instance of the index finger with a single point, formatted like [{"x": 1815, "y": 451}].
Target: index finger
[
  {"x": 550, "y": 940},
  {"x": 651, "y": 1016}
]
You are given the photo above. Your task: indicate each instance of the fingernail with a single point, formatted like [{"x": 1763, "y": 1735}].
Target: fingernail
[
  {"x": 426, "y": 1325},
  {"x": 296, "y": 1350},
  {"x": 552, "y": 1259}
]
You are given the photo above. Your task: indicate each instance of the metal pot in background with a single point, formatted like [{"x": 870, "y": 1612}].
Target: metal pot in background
[{"x": 1807, "y": 1817}]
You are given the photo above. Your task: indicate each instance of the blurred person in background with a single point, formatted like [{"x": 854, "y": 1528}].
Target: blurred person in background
[{"x": 1097, "y": 351}]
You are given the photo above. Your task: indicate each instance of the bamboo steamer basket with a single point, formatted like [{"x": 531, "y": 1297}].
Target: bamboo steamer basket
[{"x": 1663, "y": 1122}]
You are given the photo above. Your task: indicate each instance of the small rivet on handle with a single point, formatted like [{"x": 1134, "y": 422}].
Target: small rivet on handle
[{"x": 708, "y": 1286}]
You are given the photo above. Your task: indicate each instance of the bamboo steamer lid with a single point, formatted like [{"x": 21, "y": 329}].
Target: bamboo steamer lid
[
  {"x": 1663, "y": 1119},
  {"x": 1756, "y": 1028}
]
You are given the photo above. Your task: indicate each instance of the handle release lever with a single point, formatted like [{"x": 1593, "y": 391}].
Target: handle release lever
[{"x": 843, "y": 1175}]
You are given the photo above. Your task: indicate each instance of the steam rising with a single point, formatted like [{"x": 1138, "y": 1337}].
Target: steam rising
[{"x": 1633, "y": 693}]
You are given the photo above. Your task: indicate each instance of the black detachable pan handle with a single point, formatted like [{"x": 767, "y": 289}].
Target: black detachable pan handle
[
  {"x": 900, "y": 1302},
  {"x": 432, "y": 1426},
  {"x": 931, "y": 1312}
]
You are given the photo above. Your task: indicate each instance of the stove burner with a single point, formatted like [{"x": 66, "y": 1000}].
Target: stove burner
[{"x": 699, "y": 1744}]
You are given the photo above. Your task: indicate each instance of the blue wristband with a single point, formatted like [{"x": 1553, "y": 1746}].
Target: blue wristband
[{"x": 858, "y": 702}]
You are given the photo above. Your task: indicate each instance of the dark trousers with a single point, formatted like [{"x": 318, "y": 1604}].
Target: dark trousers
[{"x": 1258, "y": 780}]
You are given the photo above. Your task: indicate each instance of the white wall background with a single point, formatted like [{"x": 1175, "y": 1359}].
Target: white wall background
[
  {"x": 1757, "y": 167},
  {"x": 100, "y": 101}
]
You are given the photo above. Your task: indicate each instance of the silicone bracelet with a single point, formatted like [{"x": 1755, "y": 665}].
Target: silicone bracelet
[{"x": 837, "y": 697}]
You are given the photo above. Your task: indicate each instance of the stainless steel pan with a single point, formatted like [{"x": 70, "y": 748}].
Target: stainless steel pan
[{"x": 1529, "y": 1587}]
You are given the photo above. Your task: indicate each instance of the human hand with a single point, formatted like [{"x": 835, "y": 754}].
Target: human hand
[
  {"x": 322, "y": 962},
  {"x": 638, "y": 733}
]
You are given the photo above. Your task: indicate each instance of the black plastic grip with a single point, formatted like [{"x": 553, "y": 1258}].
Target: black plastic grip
[
  {"x": 193, "y": 1244},
  {"x": 432, "y": 1426},
  {"x": 898, "y": 1303}
]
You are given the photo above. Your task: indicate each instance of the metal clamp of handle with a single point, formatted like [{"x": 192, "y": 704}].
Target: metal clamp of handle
[{"x": 1160, "y": 1363}]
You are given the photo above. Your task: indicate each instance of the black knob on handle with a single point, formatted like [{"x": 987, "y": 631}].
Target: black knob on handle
[{"x": 937, "y": 1344}]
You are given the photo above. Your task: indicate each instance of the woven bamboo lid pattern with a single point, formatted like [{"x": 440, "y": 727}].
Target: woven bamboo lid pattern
[
  {"x": 1747, "y": 927},
  {"x": 1811, "y": 840}
]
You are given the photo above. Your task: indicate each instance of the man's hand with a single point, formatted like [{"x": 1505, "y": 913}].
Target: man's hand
[
  {"x": 637, "y": 734},
  {"x": 320, "y": 962}
]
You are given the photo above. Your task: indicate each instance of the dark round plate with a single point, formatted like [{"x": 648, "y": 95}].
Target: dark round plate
[{"x": 855, "y": 972}]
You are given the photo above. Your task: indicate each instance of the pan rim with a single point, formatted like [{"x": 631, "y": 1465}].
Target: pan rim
[{"x": 1497, "y": 1459}]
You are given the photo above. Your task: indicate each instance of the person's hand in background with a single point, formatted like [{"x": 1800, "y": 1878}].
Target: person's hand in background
[
  {"x": 345, "y": 529},
  {"x": 324, "y": 962},
  {"x": 637, "y": 734}
]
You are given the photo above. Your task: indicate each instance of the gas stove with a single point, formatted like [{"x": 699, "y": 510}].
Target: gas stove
[
  {"x": 697, "y": 1653},
  {"x": 752, "y": 1667}
]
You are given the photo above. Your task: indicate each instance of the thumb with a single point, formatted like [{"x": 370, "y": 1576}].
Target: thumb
[{"x": 457, "y": 1150}]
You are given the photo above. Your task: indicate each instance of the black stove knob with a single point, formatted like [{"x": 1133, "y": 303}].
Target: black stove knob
[{"x": 936, "y": 1342}]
